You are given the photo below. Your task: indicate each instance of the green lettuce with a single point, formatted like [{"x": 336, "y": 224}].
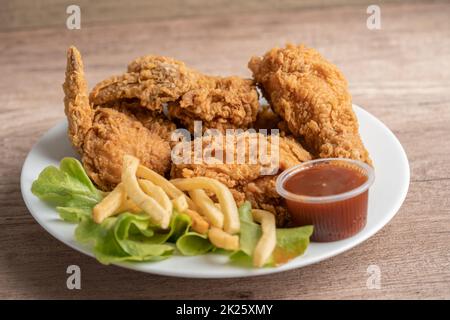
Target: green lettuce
[
  {"x": 68, "y": 188},
  {"x": 127, "y": 237},
  {"x": 193, "y": 243},
  {"x": 291, "y": 242}
]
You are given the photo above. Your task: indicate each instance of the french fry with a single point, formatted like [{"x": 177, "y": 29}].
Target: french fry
[
  {"x": 142, "y": 200},
  {"x": 223, "y": 240},
  {"x": 172, "y": 191},
  {"x": 180, "y": 203},
  {"x": 199, "y": 224},
  {"x": 207, "y": 207},
  {"x": 128, "y": 205},
  {"x": 266, "y": 244},
  {"x": 110, "y": 205},
  {"x": 231, "y": 223},
  {"x": 157, "y": 193}
]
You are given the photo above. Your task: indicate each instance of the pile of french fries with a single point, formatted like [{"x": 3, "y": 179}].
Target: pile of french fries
[{"x": 144, "y": 190}]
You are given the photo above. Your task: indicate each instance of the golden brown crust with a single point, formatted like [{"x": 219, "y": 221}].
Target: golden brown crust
[
  {"x": 115, "y": 134},
  {"x": 154, "y": 121},
  {"x": 247, "y": 181},
  {"x": 311, "y": 95},
  {"x": 76, "y": 103},
  {"x": 223, "y": 103},
  {"x": 103, "y": 135},
  {"x": 154, "y": 80}
]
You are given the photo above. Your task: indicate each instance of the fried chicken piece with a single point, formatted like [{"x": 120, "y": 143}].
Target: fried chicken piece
[
  {"x": 114, "y": 134},
  {"x": 269, "y": 120},
  {"x": 154, "y": 80},
  {"x": 105, "y": 134},
  {"x": 262, "y": 194},
  {"x": 76, "y": 102},
  {"x": 311, "y": 95},
  {"x": 245, "y": 179},
  {"x": 154, "y": 121},
  {"x": 222, "y": 103}
]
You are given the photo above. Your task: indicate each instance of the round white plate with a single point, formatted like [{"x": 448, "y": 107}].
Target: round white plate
[{"x": 386, "y": 196}]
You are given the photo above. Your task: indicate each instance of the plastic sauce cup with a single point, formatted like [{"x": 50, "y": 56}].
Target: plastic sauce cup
[{"x": 332, "y": 196}]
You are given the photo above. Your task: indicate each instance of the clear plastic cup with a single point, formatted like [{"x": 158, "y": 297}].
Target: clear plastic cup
[{"x": 336, "y": 216}]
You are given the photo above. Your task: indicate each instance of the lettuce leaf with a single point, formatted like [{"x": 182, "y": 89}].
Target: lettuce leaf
[
  {"x": 193, "y": 243},
  {"x": 291, "y": 242},
  {"x": 131, "y": 237},
  {"x": 68, "y": 188}
]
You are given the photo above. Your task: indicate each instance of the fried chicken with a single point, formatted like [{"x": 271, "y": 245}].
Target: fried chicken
[
  {"x": 247, "y": 179},
  {"x": 154, "y": 80},
  {"x": 103, "y": 135},
  {"x": 219, "y": 102},
  {"x": 222, "y": 103},
  {"x": 311, "y": 95},
  {"x": 266, "y": 119}
]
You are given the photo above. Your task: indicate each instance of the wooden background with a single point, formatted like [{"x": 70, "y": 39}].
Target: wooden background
[{"x": 399, "y": 73}]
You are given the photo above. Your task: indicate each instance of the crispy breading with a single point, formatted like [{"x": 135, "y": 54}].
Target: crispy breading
[
  {"x": 262, "y": 194},
  {"x": 311, "y": 95},
  {"x": 154, "y": 121},
  {"x": 103, "y": 135},
  {"x": 223, "y": 103},
  {"x": 220, "y": 102},
  {"x": 154, "y": 80},
  {"x": 115, "y": 134},
  {"x": 76, "y": 102},
  {"x": 244, "y": 177}
]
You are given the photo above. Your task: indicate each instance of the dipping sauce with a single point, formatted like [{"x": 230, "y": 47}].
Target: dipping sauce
[{"x": 330, "y": 194}]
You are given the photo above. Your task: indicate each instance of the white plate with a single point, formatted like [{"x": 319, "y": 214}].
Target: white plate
[{"x": 386, "y": 196}]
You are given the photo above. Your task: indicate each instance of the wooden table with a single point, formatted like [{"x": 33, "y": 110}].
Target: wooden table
[{"x": 399, "y": 73}]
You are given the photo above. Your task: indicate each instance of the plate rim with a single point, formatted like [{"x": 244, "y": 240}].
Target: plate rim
[{"x": 248, "y": 272}]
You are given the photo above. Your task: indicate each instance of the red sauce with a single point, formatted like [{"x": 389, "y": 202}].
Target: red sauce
[{"x": 334, "y": 220}]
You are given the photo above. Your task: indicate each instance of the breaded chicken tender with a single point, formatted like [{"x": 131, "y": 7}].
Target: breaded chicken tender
[{"x": 312, "y": 96}]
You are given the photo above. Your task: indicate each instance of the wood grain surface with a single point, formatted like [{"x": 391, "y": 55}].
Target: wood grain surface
[{"x": 400, "y": 73}]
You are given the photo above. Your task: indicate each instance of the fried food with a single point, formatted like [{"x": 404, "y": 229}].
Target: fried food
[
  {"x": 231, "y": 223},
  {"x": 247, "y": 180},
  {"x": 223, "y": 240},
  {"x": 110, "y": 204},
  {"x": 154, "y": 80},
  {"x": 311, "y": 95},
  {"x": 103, "y": 135},
  {"x": 149, "y": 205},
  {"x": 266, "y": 244},
  {"x": 219, "y": 102},
  {"x": 76, "y": 102},
  {"x": 154, "y": 121}
]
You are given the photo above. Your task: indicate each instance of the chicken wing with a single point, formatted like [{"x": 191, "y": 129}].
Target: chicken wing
[
  {"x": 76, "y": 102},
  {"x": 105, "y": 134},
  {"x": 312, "y": 96}
]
